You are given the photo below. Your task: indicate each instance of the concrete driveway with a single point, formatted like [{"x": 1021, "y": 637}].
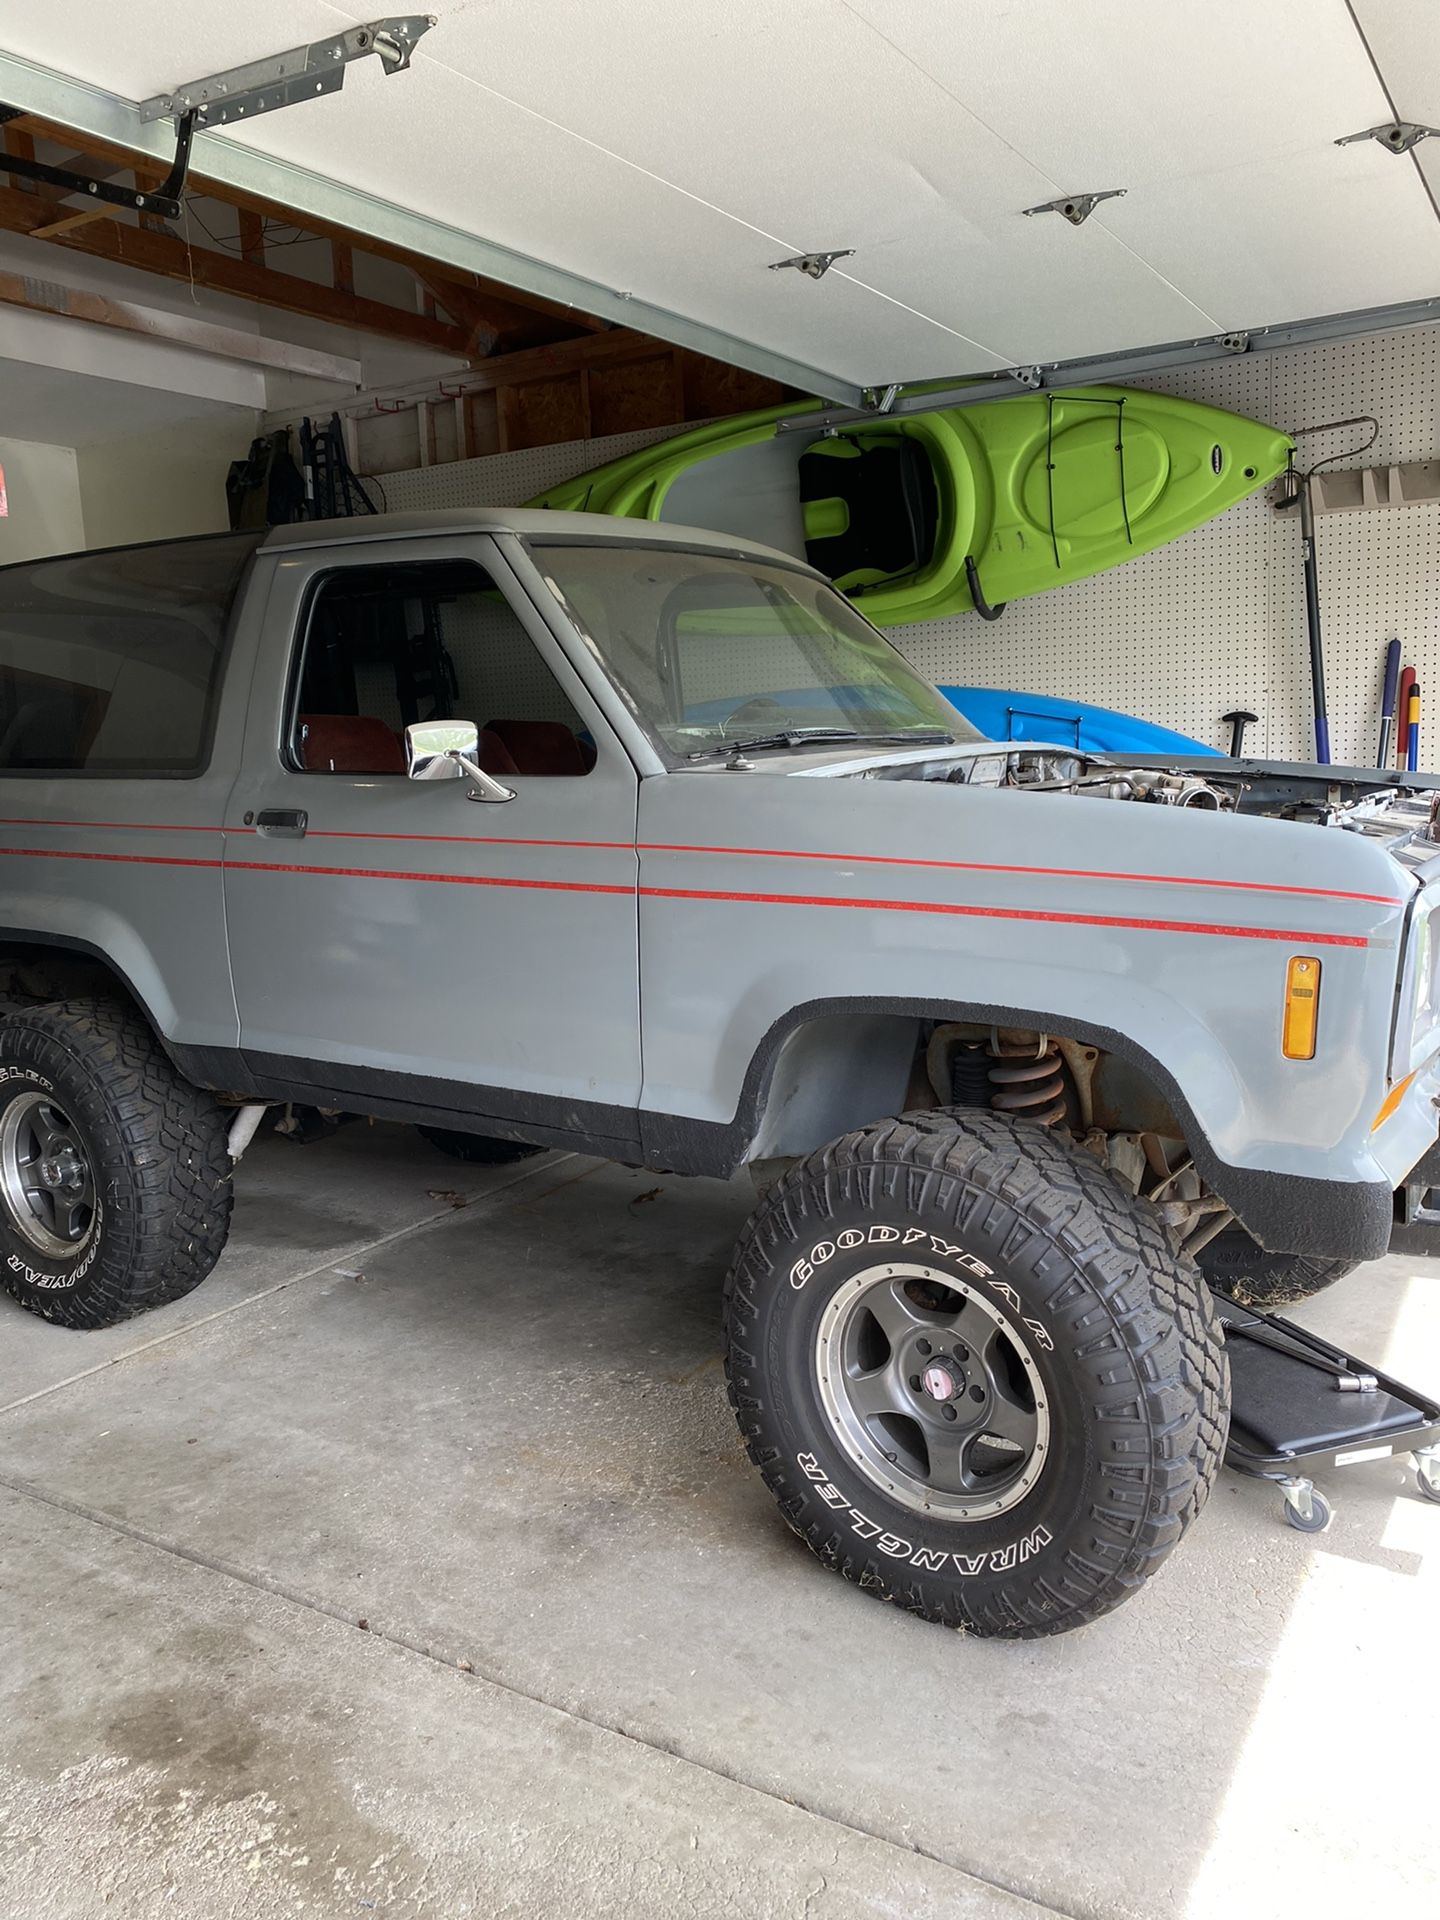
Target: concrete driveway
[{"x": 412, "y": 1566}]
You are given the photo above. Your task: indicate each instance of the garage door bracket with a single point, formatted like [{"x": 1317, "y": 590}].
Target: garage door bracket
[
  {"x": 240, "y": 93},
  {"x": 303, "y": 73},
  {"x": 164, "y": 200},
  {"x": 1396, "y": 136}
]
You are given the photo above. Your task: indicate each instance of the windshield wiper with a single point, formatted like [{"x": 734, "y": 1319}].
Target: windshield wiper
[{"x": 809, "y": 736}]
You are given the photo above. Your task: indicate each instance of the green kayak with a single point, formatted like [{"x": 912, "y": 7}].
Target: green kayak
[{"x": 930, "y": 514}]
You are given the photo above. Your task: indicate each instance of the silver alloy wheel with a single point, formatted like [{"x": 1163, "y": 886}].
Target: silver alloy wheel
[
  {"x": 939, "y": 1404},
  {"x": 45, "y": 1179}
]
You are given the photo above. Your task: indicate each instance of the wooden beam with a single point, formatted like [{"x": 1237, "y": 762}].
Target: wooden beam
[
  {"x": 466, "y": 309},
  {"x": 68, "y": 223},
  {"x": 509, "y": 303},
  {"x": 342, "y": 267},
  {"x": 176, "y": 329},
  {"x": 224, "y": 273},
  {"x": 508, "y": 370}
]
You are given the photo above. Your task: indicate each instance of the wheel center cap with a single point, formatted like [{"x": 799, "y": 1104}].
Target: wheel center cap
[{"x": 939, "y": 1382}]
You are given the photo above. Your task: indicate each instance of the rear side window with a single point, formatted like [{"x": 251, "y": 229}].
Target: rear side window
[{"x": 110, "y": 662}]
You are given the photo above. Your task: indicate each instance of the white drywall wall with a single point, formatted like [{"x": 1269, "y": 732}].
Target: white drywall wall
[
  {"x": 160, "y": 485},
  {"x": 43, "y": 495}
]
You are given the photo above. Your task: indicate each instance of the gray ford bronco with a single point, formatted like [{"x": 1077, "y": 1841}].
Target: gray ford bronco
[{"x": 543, "y": 830}]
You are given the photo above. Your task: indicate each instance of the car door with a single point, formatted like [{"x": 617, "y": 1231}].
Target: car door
[{"x": 394, "y": 938}]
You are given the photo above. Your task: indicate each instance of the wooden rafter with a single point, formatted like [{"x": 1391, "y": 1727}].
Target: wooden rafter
[
  {"x": 494, "y": 317},
  {"x": 228, "y": 273}
]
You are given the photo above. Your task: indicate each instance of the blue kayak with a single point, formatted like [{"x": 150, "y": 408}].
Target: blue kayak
[{"x": 1066, "y": 723}]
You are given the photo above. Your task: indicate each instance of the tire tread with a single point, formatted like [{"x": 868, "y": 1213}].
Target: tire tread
[{"x": 963, "y": 1160}]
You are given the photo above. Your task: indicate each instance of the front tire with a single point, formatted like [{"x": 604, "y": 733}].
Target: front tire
[
  {"x": 974, "y": 1372},
  {"x": 115, "y": 1186}
]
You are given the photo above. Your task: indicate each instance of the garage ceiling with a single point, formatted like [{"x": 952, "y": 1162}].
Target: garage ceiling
[{"x": 649, "y": 159}]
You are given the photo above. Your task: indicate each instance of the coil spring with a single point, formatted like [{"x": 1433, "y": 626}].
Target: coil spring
[{"x": 1032, "y": 1088}]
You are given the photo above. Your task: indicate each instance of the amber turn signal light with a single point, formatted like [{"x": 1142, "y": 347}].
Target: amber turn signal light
[{"x": 1302, "y": 1007}]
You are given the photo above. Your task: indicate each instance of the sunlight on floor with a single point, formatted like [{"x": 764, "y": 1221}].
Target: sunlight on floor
[{"x": 1333, "y": 1782}]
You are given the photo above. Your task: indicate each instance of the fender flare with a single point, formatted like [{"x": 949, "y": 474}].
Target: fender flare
[{"x": 1287, "y": 1213}]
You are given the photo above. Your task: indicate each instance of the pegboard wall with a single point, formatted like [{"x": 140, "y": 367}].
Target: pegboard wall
[{"x": 1212, "y": 622}]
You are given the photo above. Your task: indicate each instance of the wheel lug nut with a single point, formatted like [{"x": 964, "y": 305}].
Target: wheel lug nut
[
  {"x": 949, "y": 1413},
  {"x": 923, "y": 1346},
  {"x": 977, "y": 1393}
]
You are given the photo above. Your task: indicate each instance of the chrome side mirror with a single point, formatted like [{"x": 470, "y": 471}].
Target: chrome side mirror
[{"x": 449, "y": 750}]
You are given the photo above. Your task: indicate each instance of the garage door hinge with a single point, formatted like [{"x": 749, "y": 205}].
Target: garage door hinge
[
  {"x": 1396, "y": 136},
  {"x": 262, "y": 86},
  {"x": 1077, "y": 207}
]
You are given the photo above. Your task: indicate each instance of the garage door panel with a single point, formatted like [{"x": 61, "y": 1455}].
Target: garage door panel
[
  {"x": 1142, "y": 93},
  {"x": 528, "y": 186},
  {"x": 669, "y": 155},
  {"x": 1270, "y": 248}
]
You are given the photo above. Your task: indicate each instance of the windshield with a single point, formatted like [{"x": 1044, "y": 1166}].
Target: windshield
[{"x": 712, "y": 653}]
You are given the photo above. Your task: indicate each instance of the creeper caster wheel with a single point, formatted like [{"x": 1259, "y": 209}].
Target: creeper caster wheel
[
  {"x": 1427, "y": 1473},
  {"x": 1306, "y": 1509}
]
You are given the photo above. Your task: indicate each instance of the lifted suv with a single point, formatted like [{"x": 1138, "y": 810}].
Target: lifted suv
[{"x": 541, "y": 830}]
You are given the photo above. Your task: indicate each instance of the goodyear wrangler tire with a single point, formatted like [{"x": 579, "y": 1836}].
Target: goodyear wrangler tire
[
  {"x": 974, "y": 1372},
  {"x": 1241, "y": 1267},
  {"x": 115, "y": 1185}
]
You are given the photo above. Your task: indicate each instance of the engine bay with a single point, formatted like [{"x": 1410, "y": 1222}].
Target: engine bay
[{"x": 1399, "y": 808}]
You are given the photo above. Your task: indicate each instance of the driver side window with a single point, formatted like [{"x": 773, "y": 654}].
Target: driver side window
[{"x": 386, "y": 646}]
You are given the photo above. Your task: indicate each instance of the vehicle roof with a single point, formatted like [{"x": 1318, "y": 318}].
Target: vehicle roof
[{"x": 593, "y": 529}]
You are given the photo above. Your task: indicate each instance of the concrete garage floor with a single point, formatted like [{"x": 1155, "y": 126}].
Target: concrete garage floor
[{"x": 412, "y": 1566}]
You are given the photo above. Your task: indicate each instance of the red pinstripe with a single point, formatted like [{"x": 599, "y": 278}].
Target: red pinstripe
[
  {"x": 756, "y": 853},
  {"x": 965, "y": 911},
  {"x": 1014, "y": 913}
]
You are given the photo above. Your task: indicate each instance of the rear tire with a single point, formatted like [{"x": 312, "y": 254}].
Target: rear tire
[
  {"x": 477, "y": 1149},
  {"x": 1073, "y": 1334},
  {"x": 115, "y": 1186},
  {"x": 1242, "y": 1268}
]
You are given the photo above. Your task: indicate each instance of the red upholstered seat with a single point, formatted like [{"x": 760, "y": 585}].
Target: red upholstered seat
[
  {"x": 543, "y": 746},
  {"x": 494, "y": 755},
  {"x": 349, "y": 743},
  {"x": 358, "y": 743}
]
